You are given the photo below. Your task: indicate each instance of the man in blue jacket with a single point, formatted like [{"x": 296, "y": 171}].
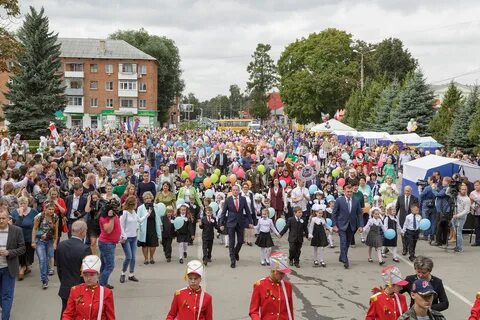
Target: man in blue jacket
[{"x": 444, "y": 214}]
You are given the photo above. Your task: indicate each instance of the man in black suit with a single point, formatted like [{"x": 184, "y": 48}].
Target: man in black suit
[
  {"x": 298, "y": 229},
  {"x": 237, "y": 215},
  {"x": 221, "y": 161},
  {"x": 75, "y": 206},
  {"x": 70, "y": 254},
  {"x": 403, "y": 208}
]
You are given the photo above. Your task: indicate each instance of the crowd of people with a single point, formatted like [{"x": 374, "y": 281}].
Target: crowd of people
[{"x": 156, "y": 187}]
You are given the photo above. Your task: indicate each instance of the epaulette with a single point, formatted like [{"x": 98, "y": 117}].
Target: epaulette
[
  {"x": 177, "y": 292},
  {"x": 478, "y": 295},
  {"x": 257, "y": 283},
  {"x": 374, "y": 297}
]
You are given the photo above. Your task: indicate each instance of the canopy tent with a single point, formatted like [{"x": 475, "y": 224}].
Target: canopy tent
[
  {"x": 422, "y": 168},
  {"x": 427, "y": 139},
  {"x": 406, "y": 138},
  {"x": 330, "y": 126},
  {"x": 372, "y": 137},
  {"x": 430, "y": 145}
]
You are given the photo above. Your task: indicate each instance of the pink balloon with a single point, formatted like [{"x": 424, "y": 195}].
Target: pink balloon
[
  {"x": 279, "y": 159},
  {"x": 253, "y": 156},
  {"x": 240, "y": 173},
  {"x": 380, "y": 163},
  {"x": 355, "y": 162},
  {"x": 192, "y": 174},
  {"x": 341, "y": 182},
  {"x": 296, "y": 173},
  {"x": 311, "y": 163},
  {"x": 235, "y": 168}
]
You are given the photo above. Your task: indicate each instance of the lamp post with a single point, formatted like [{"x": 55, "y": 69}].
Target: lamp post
[{"x": 361, "y": 65}]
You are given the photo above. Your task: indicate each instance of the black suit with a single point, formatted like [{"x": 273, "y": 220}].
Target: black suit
[
  {"x": 221, "y": 162},
  {"x": 402, "y": 212},
  {"x": 208, "y": 235},
  {"x": 70, "y": 254},
  {"x": 298, "y": 230},
  {"x": 82, "y": 202},
  {"x": 168, "y": 233}
]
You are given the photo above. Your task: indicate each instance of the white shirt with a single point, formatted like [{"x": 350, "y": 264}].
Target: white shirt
[
  {"x": 75, "y": 202},
  {"x": 129, "y": 223},
  {"x": 300, "y": 192},
  {"x": 408, "y": 225},
  {"x": 265, "y": 225},
  {"x": 463, "y": 206},
  {"x": 313, "y": 222}
]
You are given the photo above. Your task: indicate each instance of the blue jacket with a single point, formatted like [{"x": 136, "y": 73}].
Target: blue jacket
[
  {"x": 231, "y": 217},
  {"x": 142, "y": 228},
  {"x": 442, "y": 200},
  {"x": 342, "y": 217},
  {"x": 426, "y": 194}
]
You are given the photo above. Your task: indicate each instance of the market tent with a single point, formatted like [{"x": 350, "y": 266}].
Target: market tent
[
  {"x": 330, "y": 126},
  {"x": 406, "y": 138},
  {"x": 427, "y": 139},
  {"x": 372, "y": 137}
]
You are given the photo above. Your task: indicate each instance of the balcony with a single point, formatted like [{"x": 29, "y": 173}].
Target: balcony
[
  {"x": 73, "y": 109},
  {"x": 73, "y": 74},
  {"x": 74, "y": 92},
  {"x": 128, "y": 93},
  {"x": 127, "y": 76}
]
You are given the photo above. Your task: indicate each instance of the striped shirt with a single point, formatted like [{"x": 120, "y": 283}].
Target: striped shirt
[{"x": 3, "y": 245}]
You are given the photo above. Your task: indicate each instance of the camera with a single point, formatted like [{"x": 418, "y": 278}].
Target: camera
[
  {"x": 454, "y": 185},
  {"x": 421, "y": 183},
  {"x": 112, "y": 205}
]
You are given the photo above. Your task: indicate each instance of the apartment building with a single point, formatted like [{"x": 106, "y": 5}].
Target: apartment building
[{"x": 108, "y": 83}]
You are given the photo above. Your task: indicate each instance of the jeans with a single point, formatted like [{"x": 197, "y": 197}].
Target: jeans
[
  {"x": 44, "y": 251},
  {"x": 130, "y": 250},
  {"x": 458, "y": 225},
  {"x": 7, "y": 287},
  {"x": 107, "y": 257}
]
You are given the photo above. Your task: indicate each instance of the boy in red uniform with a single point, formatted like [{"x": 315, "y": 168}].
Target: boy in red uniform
[
  {"x": 475, "y": 312},
  {"x": 272, "y": 296},
  {"x": 189, "y": 302},
  {"x": 388, "y": 303}
]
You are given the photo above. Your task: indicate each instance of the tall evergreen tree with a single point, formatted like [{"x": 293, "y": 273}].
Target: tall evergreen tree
[
  {"x": 353, "y": 108},
  {"x": 458, "y": 135},
  {"x": 416, "y": 102},
  {"x": 474, "y": 130},
  {"x": 368, "y": 111},
  {"x": 36, "y": 91},
  {"x": 444, "y": 117},
  {"x": 387, "y": 102}
]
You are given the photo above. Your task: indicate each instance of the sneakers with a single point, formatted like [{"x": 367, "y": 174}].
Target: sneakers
[
  {"x": 396, "y": 259},
  {"x": 51, "y": 272},
  {"x": 323, "y": 264},
  {"x": 44, "y": 285},
  {"x": 132, "y": 278},
  {"x": 381, "y": 263},
  {"x": 458, "y": 250},
  {"x": 263, "y": 263},
  {"x": 108, "y": 286},
  {"x": 122, "y": 278},
  {"x": 315, "y": 263}
]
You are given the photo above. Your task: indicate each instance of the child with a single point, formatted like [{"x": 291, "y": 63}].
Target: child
[
  {"x": 391, "y": 222},
  {"x": 374, "y": 238},
  {"x": 264, "y": 239},
  {"x": 195, "y": 211},
  {"x": 298, "y": 230},
  {"x": 411, "y": 231},
  {"x": 208, "y": 224},
  {"x": 316, "y": 232},
  {"x": 258, "y": 205},
  {"x": 328, "y": 213},
  {"x": 185, "y": 233},
  {"x": 366, "y": 213},
  {"x": 168, "y": 233}
]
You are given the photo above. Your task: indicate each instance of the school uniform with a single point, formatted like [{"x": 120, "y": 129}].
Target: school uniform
[
  {"x": 184, "y": 235},
  {"x": 318, "y": 236},
  {"x": 208, "y": 226},
  {"x": 168, "y": 233},
  {"x": 297, "y": 230},
  {"x": 411, "y": 232},
  {"x": 391, "y": 222},
  {"x": 264, "y": 239}
]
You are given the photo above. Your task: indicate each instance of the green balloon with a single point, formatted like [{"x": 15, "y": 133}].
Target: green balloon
[
  {"x": 214, "y": 178},
  {"x": 223, "y": 179},
  {"x": 335, "y": 173},
  {"x": 217, "y": 172},
  {"x": 261, "y": 169},
  {"x": 184, "y": 174}
]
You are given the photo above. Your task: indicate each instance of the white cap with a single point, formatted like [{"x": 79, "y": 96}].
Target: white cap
[
  {"x": 91, "y": 263},
  {"x": 196, "y": 267}
]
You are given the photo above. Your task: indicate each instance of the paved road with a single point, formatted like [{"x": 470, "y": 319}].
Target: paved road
[{"x": 319, "y": 293}]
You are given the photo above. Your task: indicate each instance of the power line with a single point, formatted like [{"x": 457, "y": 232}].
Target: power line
[{"x": 458, "y": 76}]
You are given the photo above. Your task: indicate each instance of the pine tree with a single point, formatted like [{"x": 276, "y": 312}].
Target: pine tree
[
  {"x": 474, "y": 130},
  {"x": 458, "y": 135},
  {"x": 416, "y": 102},
  {"x": 353, "y": 108},
  {"x": 444, "y": 117},
  {"x": 36, "y": 91},
  {"x": 387, "y": 102},
  {"x": 368, "y": 111}
]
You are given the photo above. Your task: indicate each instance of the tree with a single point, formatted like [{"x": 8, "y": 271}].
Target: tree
[
  {"x": 416, "y": 102},
  {"x": 391, "y": 61},
  {"x": 353, "y": 108},
  {"x": 368, "y": 110},
  {"x": 9, "y": 45},
  {"x": 170, "y": 85},
  {"x": 385, "y": 105},
  {"x": 236, "y": 100},
  {"x": 263, "y": 77},
  {"x": 318, "y": 74},
  {"x": 444, "y": 117},
  {"x": 36, "y": 90},
  {"x": 458, "y": 135}
]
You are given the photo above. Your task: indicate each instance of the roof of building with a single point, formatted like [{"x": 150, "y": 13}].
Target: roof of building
[{"x": 100, "y": 49}]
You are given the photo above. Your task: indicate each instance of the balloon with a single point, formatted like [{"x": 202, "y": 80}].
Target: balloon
[
  {"x": 241, "y": 173},
  {"x": 272, "y": 172},
  {"x": 280, "y": 224},
  {"x": 232, "y": 178},
  {"x": 329, "y": 222},
  {"x": 178, "y": 222},
  {"x": 184, "y": 174},
  {"x": 207, "y": 182},
  {"x": 271, "y": 212},
  {"x": 235, "y": 168},
  {"x": 214, "y": 207},
  {"x": 209, "y": 193},
  {"x": 313, "y": 188},
  {"x": 380, "y": 164},
  {"x": 180, "y": 201},
  {"x": 311, "y": 163},
  {"x": 296, "y": 173},
  {"x": 425, "y": 224},
  {"x": 335, "y": 173},
  {"x": 253, "y": 156},
  {"x": 214, "y": 178},
  {"x": 161, "y": 208},
  {"x": 330, "y": 198},
  {"x": 261, "y": 169},
  {"x": 389, "y": 234},
  {"x": 345, "y": 156},
  {"x": 223, "y": 178},
  {"x": 341, "y": 182},
  {"x": 217, "y": 172},
  {"x": 283, "y": 183},
  {"x": 355, "y": 162},
  {"x": 192, "y": 174}
]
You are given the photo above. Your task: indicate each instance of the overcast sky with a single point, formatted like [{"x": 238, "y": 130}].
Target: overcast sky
[{"x": 216, "y": 38}]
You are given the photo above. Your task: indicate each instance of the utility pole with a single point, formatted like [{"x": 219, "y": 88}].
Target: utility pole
[{"x": 362, "y": 65}]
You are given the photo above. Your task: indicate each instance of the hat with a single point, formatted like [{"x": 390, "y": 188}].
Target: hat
[
  {"x": 391, "y": 275},
  {"x": 91, "y": 263},
  {"x": 422, "y": 287},
  {"x": 278, "y": 262},
  {"x": 319, "y": 191},
  {"x": 258, "y": 196},
  {"x": 319, "y": 207},
  {"x": 196, "y": 267}
]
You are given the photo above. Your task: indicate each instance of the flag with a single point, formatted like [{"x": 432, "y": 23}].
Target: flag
[
  {"x": 53, "y": 131},
  {"x": 136, "y": 123},
  {"x": 129, "y": 126}
]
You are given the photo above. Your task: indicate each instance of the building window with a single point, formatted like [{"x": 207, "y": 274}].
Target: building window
[
  {"x": 142, "y": 86},
  {"x": 75, "y": 101},
  {"x": 76, "y": 122},
  {"x": 93, "y": 68},
  {"x": 109, "y": 103},
  {"x": 128, "y": 68},
  {"x": 109, "y": 68},
  {"x": 93, "y": 102},
  {"x": 74, "y": 67},
  {"x": 127, "y": 85},
  {"x": 142, "y": 104},
  {"x": 93, "y": 85},
  {"x": 94, "y": 122},
  {"x": 11, "y": 65},
  {"x": 109, "y": 85},
  {"x": 126, "y": 103},
  {"x": 75, "y": 84},
  {"x": 142, "y": 69}
]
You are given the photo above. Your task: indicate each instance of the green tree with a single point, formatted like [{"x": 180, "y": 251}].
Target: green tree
[
  {"x": 318, "y": 74},
  {"x": 10, "y": 47},
  {"x": 368, "y": 110},
  {"x": 391, "y": 61},
  {"x": 353, "y": 108},
  {"x": 36, "y": 90},
  {"x": 444, "y": 117},
  {"x": 458, "y": 135},
  {"x": 236, "y": 100},
  {"x": 416, "y": 102},
  {"x": 387, "y": 102},
  {"x": 263, "y": 77},
  {"x": 169, "y": 84}
]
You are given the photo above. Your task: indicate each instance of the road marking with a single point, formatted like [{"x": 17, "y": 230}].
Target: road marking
[{"x": 455, "y": 293}]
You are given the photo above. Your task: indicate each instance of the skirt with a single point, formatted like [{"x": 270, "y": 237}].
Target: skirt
[
  {"x": 374, "y": 238},
  {"x": 264, "y": 240},
  {"x": 319, "y": 236},
  {"x": 151, "y": 238}
]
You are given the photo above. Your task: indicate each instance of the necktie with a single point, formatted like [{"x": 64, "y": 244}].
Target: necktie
[
  {"x": 236, "y": 203},
  {"x": 414, "y": 222},
  {"x": 407, "y": 200},
  {"x": 208, "y": 219}
]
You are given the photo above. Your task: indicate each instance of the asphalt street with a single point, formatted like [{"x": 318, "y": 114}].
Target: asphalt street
[{"x": 319, "y": 293}]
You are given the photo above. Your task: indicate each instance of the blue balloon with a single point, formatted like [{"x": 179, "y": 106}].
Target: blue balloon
[
  {"x": 178, "y": 144},
  {"x": 425, "y": 224},
  {"x": 209, "y": 193},
  {"x": 214, "y": 207},
  {"x": 283, "y": 183},
  {"x": 161, "y": 208},
  {"x": 313, "y": 188},
  {"x": 180, "y": 201},
  {"x": 208, "y": 149},
  {"x": 389, "y": 234},
  {"x": 184, "y": 144},
  {"x": 169, "y": 143},
  {"x": 330, "y": 198},
  {"x": 329, "y": 222},
  {"x": 271, "y": 212},
  {"x": 178, "y": 222},
  {"x": 280, "y": 224}
]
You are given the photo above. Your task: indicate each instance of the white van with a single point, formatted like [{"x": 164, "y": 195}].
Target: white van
[{"x": 254, "y": 125}]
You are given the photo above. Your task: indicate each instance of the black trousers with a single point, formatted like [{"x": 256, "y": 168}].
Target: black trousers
[
  {"x": 27, "y": 258},
  {"x": 443, "y": 227},
  {"x": 64, "y": 306},
  {"x": 411, "y": 237},
  {"x": 207, "y": 246},
  {"x": 167, "y": 247},
  {"x": 295, "y": 249},
  {"x": 477, "y": 229},
  {"x": 235, "y": 233}
]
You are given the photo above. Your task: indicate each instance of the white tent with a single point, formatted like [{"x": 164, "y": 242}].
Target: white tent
[
  {"x": 426, "y": 139},
  {"x": 406, "y": 138},
  {"x": 372, "y": 137},
  {"x": 330, "y": 126}
]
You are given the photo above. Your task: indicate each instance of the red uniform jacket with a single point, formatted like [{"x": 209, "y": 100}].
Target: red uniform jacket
[
  {"x": 475, "y": 313},
  {"x": 83, "y": 304},
  {"x": 385, "y": 307},
  {"x": 185, "y": 305},
  {"x": 268, "y": 301}
]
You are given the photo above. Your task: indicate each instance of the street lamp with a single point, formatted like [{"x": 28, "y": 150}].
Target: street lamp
[{"x": 361, "y": 64}]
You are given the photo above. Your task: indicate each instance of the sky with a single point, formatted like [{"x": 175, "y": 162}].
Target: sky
[{"x": 217, "y": 38}]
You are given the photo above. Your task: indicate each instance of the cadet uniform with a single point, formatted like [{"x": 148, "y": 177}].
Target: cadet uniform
[
  {"x": 475, "y": 313},
  {"x": 423, "y": 288}
]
